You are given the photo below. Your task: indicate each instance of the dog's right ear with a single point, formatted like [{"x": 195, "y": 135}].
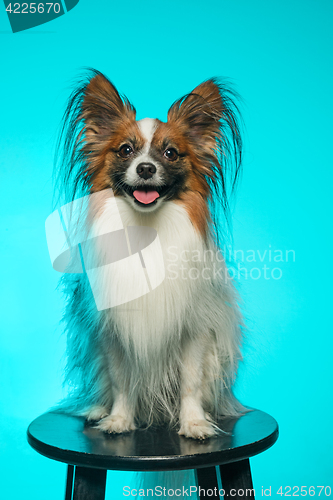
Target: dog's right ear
[
  {"x": 93, "y": 114},
  {"x": 102, "y": 107}
]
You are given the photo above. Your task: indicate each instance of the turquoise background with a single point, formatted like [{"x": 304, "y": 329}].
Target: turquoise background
[{"x": 279, "y": 54}]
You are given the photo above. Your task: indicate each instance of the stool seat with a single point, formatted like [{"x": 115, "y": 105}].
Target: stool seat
[{"x": 70, "y": 439}]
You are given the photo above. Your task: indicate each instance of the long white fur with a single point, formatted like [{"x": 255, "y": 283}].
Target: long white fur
[
  {"x": 171, "y": 353},
  {"x": 147, "y": 127}
]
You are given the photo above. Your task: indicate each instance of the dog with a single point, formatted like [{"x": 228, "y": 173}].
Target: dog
[{"x": 169, "y": 355}]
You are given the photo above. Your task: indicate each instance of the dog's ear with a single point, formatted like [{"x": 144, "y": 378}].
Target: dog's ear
[
  {"x": 102, "y": 107},
  {"x": 209, "y": 93},
  {"x": 199, "y": 113},
  {"x": 209, "y": 118},
  {"x": 93, "y": 114}
]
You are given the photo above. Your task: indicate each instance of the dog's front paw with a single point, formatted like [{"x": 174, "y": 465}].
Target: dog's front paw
[
  {"x": 116, "y": 424},
  {"x": 197, "y": 429},
  {"x": 96, "y": 413}
]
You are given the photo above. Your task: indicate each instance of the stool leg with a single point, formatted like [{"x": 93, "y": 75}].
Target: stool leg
[
  {"x": 69, "y": 482},
  {"x": 237, "y": 477},
  {"x": 207, "y": 480},
  {"x": 89, "y": 484}
]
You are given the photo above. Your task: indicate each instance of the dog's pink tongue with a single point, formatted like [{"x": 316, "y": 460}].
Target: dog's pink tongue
[{"x": 145, "y": 196}]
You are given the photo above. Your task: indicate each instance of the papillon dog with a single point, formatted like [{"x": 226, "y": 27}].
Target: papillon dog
[{"x": 171, "y": 354}]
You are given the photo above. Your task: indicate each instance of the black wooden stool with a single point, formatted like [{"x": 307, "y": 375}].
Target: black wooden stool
[{"x": 90, "y": 453}]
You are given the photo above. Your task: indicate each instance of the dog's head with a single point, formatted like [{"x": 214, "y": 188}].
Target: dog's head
[{"x": 150, "y": 162}]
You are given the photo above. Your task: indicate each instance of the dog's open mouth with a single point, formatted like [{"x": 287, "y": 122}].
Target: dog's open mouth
[{"x": 146, "y": 195}]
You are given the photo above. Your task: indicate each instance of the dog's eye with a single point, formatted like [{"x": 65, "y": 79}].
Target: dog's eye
[
  {"x": 125, "y": 151},
  {"x": 170, "y": 154}
]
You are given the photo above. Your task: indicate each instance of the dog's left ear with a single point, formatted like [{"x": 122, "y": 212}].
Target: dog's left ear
[
  {"x": 210, "y": 119},
  {"x": 209, "y": 116},
  {"x": 209, "y": 91},
  {"x": 199, "y": 113}
]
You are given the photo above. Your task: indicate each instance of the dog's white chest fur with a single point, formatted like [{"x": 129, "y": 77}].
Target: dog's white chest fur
[
  {"x": 150, "y": 321},
  {"x": 175, "y": 343}
]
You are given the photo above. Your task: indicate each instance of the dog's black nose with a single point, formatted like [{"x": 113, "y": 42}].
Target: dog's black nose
[{"x": 146, "y": 170}]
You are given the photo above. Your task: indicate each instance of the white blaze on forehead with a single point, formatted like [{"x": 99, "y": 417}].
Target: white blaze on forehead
[{"x": 147, "y": 128}]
